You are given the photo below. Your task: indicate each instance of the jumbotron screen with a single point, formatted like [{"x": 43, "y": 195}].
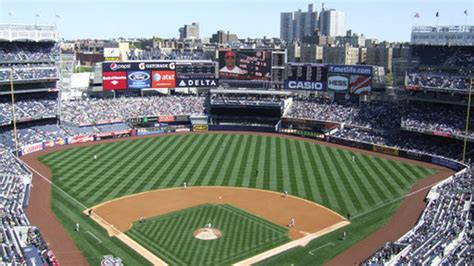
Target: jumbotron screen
[{"x": 245, "y": 64}]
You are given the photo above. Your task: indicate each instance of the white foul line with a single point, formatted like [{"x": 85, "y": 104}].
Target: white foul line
[
  {"x": 94, "y": 236},
  {"x": 328, "y": 244},
  {"x": 54, "y": 185},
  {"x": 395, "y": 200}
]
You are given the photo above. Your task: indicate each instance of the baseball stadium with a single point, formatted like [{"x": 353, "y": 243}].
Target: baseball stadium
[{"x": 239, "y": 156}]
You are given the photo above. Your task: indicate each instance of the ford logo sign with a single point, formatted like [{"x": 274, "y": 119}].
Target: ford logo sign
[{"x": 139, "y": 76}]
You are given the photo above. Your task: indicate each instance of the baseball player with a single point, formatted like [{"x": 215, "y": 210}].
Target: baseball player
[
  {"x": 353, "y": 158},
  {"x": 286, "y": 193},
  {"x": 292, "y": 222},
  {"x": 77, "y": 227},
  {"x": 344, "y": 235},
  {"x": 95, "y": 157},
  {"x": 184, "y": 185}
]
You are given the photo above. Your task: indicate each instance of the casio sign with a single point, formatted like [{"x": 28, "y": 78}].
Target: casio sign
[
  {"x": 305, "y": 85},
  {"x": 139, "y": 76},
  {"x": 338, "y": 83}
]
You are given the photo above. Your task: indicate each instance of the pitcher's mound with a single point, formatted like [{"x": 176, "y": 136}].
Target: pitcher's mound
[{"x": 207, "y": 233}]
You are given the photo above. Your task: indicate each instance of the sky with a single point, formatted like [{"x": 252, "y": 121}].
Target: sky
[{"x": 389, "y": 20}]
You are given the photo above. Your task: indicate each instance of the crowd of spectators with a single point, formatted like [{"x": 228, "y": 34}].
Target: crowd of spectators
[
  {"x": 443, "y": 234},
  {"x": 438, "y": 81},
  {"x": 239, "y": 99},
  {"x": 15, "y": 230},
  {"x": 444, "y": 56},
  {"x": 437, "y": 117},
  {"x": 29, "y": 72},
  {"x": 432, "y": 145},
  {"x": 28, "y": 107},
  {"x": 13, "y": 52},
  {"x": 376, "y": 115},
  {"x": 90, "y": 110}
]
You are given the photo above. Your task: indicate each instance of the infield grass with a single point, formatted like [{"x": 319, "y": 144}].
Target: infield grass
[
  {"x": 171, "y": 236},
  {"x": 315, "y": 172}
]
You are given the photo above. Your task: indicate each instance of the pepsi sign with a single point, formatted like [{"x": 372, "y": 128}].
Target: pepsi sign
[{"x": 138, "y": 79}]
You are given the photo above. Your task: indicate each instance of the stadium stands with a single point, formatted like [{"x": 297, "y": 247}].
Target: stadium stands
[
  {"x": 383, "y": 115},
  {"x": 443, "y": 232},
  {"x": 91, "y": 110}
]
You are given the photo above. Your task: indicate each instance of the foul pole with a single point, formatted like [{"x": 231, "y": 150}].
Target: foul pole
[
  {"x": 467, "y": 121},
  {"x": 13, "y": 112}
]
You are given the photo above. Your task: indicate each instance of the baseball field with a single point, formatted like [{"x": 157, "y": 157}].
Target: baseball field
[{"x": 364, "y": 186}]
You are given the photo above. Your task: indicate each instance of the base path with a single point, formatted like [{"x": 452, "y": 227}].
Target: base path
[{"x": 275, "y": 207}]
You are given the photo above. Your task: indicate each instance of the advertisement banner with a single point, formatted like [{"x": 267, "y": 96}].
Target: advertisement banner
[
  {"x": 447, "y": 163},
  {"x": 338, "y": 83},
  {"x": 27, "y": 149},
  {"x": 128, "y": 66},
  {"x": 197, "y": 83},
  {"x": 385, "y": 150},
  {"x": 200, "y": 127},
  {"x": 183, "y": 130},
  {"x": 111, "y": 52},
  {"x": 138, "y": 79},
  {"x": 48, "y": 144},
  {"x": 181, "y": 118},
  {"x": 245, "y": 64},
  {"x": 304, "y": 85},
  {"x": 163, "y": 79},
  {"x": 60, "y": 142},
  {"x": 302, "y": 76},
  {"x": 80, "y": 139},
  {"x": 166, "y": 118},
  {"x": 360, "y": 84},
  {"x": 114, "y": 80},
  {"x": 442, "y": 134},
  {"x": 350, "y": 69}
]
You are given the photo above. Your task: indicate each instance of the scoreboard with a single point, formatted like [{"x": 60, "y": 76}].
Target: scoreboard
[
  {"x": 193, "y": 70},
  {"x": 307, "y": 72}
]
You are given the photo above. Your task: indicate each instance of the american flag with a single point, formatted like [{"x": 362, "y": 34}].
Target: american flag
[{"x": 417, "y": 15}]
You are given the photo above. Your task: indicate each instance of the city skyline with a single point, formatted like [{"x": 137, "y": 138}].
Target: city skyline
[{"x": 389, "y": 20}]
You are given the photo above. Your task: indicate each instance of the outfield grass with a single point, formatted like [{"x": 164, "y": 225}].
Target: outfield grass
[
  {"x": 171, "y": 236},
  {"x": 314, "y": 172}
]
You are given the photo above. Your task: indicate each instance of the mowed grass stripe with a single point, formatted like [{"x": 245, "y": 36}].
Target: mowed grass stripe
[
  {"x": 217, "y": 165},
  {"x": 375, "y": 184},
  {"x": 361, "y": 182},
  {"x": 170, "y": 163},
  {"x": 77, "y": 163},
  {"x": 380, "y": 177},
  {"x": 347, "y": 180},
  {"x": 254, "y": 175},
  {"x": 262, "y": 171},
  {"x": 187, "y": 166},
  {"x": 268, "y": 163},
  {"x": 112, "y": 176},
  {"x": 331, "y": 180},
  {"x": 279, "y": 166},
  {"x": 230, "y": 175},
  {"x": 91, "y": 183},
  {"x": 330, "y": 201},
  {"x": 391, "y": 174},
  {"x": 203, "y": 164},
  {"x": 319, "y": 192},
  {"x": 130, "y": 172},
  {"x": 243, "y": 163},
  {"x": 302, "y": 185},
  {"x": 148, "y": 171},
  {"x": 293, "y": 173},
  {"x": 231, "y": 149},
  {"x": 307, "y": 180},
  {"x": 248, "y": 171},
  {"x": 342, "y": 185},
  {"x": 238, "y": 168}
]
